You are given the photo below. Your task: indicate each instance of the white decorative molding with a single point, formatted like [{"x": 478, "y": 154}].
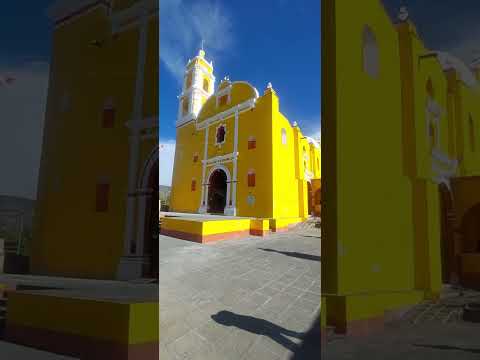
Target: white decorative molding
[
  {"x": 134, "y": 139},
  {"x": 195, "y": 93},
  {"x": 228, "y": 210},
  {"x": 203, "y": 200},
  {"x": 220, "y": 159},
  {"x": 246, "y": 105},
  {"x": 221, "y": 93},
  {"x": 443, "y": 168},
  {"x": 308, "y": 175}
]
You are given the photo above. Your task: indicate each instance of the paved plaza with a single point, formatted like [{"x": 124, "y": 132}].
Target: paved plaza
[
  {"x": 251, "y": 298},
  {"x": 430, "y": 330}
]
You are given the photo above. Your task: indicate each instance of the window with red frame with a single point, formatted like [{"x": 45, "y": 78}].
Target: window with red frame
[
  {"x": 223, "y": 100},
  {"x": 102, "y": 194},
  {"x": 251, "y": 179},
  {"x": 108, "y": 119},
  {"x": 252, "y": 143}
]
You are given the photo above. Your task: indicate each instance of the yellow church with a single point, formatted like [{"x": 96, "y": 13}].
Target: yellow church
[
  {"x": 238, "y": 155},
  {"x": 97, "y": 202},
  {"x": 401, "y": 157}
]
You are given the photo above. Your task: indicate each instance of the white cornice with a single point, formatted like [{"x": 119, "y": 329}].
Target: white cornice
[
  {"x": 221, "y": 158},
  {"x": 194, "y": 89},
  {"x": 246, "y": 105}
]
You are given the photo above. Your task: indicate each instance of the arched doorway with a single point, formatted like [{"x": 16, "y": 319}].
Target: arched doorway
[
  {"x": 217, "y": 192},
  {"x": 317, "y": 202},
  {"x": 310, "y": 198},
  {"x": 152, "y": 223},
  {"x": 447, "y": 248},
  {"x": 471, "y": 230}
]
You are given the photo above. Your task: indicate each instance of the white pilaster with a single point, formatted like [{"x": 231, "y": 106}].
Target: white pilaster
[
  {"x": 203, "y": 200},
  {"x": 127, "y": 267},
  {"x": 232, "y": 209}
]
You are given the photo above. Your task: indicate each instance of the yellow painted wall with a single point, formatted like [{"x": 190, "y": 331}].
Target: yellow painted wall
[
  {"x": 280, "y": 188},
  {"x": 70, "y": 237},
  {"x": 371, "y": 244},
  {"x": 123, "y": 322},
  {"x": 380, "y": 197},
  {"x": 256, "y": 123}
]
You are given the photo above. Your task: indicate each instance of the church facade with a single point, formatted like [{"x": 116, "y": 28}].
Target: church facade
[
  {"x": 97, "y": 202},
  {"x": 237, "y": 154},
  {"x": 401, "y": 146}
]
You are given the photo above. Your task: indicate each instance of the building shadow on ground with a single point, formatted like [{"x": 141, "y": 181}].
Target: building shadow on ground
[
  {"x": 309, "y": 348},
  {"x": 311, "y": 345},
  {"x": 294, "y": 254},
  {"x": 448, "y": 347}
]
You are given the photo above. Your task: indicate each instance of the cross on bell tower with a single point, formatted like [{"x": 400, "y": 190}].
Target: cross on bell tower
[{"x": 198, "y": 86}]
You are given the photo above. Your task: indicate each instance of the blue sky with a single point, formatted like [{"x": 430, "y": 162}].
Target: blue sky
[
  {"x": 445, "y": 25},
  {"x": 275, "y": 41},
  {"x": 256, "y": 41}
]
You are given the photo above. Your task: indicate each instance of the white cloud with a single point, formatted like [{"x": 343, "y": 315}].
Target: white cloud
[
  {"x": 469, "y": 47},
  {"x": 183, "y": 26},
  {"x": 167, "y": 155},
  {"x": 22, "y": 112},
  {"x": 311, "y": 127}
]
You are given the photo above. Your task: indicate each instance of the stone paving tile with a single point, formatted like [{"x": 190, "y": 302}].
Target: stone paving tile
[
  {"x": 268, "y": 291},
  {"x": 214, "y": 333},
  {"x": 197, "y": 317},
  {"x": 235, "y": 276},
  {"x": 173, "y": 331},
  {"x": 279, "y": 302},
  {"x": 276, "y": 347},
  {"x": 259, "y": 351},
  {"x": 190, "y": 346}
]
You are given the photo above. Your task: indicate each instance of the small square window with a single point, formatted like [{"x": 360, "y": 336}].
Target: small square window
[
  {"x": 102, "y": 195},
  {"x": 195, "y": 158},
  {"x": 194, "y": 185},
  {"x": 223, "y": 100},
  {"x": 108, "y": 118},
  {"x": 252, "y": 143},
  {"x": 251, "y": 179}
]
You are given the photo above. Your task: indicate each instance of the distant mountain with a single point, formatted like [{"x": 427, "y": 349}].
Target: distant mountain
[{"x": 164, "y": 188}]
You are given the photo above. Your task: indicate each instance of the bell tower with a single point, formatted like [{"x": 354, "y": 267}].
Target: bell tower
[{"x": 198, "y": 86}]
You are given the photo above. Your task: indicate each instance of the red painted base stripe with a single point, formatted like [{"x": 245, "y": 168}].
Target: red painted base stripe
[
  {"x": 205, "y": 238},
  {"x": 79, "y": 346}
]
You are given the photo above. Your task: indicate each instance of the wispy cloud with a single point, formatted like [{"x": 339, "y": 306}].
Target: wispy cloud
[
  {"x": 184, "y": 24},
  {"x": 166, "y": 159},
  {"x": 468, "y": 48},
  {"x": 22, "y": 112},
  {"x": 311, "y": 127}
]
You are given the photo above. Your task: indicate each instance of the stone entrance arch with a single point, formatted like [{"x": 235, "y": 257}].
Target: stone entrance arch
[
  {"x": 217, "y": 191},
  {"x": 310, "y": 197},
  {"x": 148, "y": 216},
  {"x": 470, "y": 229}
]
